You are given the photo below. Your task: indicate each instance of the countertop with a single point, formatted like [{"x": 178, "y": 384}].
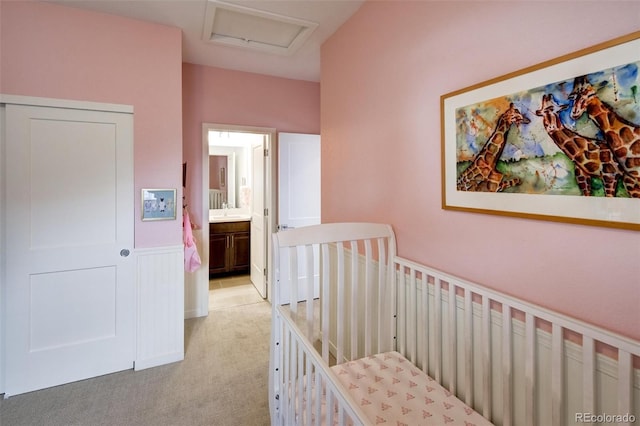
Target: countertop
[{"x": 219, "y": 216}]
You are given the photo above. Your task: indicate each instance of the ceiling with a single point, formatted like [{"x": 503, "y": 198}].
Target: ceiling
[{"x": 189, "y": 15}]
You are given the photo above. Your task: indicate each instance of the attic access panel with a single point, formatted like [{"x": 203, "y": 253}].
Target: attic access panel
[{"x": 239, "y": 26}]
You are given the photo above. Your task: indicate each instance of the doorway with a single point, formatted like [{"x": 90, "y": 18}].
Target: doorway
[{"x": 237, "y": 159}]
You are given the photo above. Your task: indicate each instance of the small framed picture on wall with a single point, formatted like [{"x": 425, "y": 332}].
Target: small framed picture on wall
[{"x": 158, "y": 204}]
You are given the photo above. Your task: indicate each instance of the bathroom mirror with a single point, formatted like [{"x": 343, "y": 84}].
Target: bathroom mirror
[{"x": 230, "y": 168}]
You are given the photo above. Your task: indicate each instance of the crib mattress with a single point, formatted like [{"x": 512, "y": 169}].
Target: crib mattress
[{"x": 391, "y": 390}]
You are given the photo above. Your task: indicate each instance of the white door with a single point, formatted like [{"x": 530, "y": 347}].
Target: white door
[
  {"x": 299, "y": 192},
  {"x": 70, "y": 295},
  {"x": 298, "y": 180},
  {"x": 258, "y": 219}
]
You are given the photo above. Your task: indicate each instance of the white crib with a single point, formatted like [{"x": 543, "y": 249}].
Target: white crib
[
  {"x": 217, "y": 198},
  {"x": 357, "y": 302}
]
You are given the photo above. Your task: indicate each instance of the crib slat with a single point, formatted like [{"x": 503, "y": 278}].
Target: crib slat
[
  {"x": 326, "y": 302},
  {"x": 507, "y": 393},
  {"x": 310, "y": 274},
  {"x": 424, "y": 323},
  {"x": 300, "y": 386},
  {"x": 382, "y": 295},
  {"x": 412, "y": 335},
  {"x": 468, "y": 347},
  {"x": 354, "y": 300},
  {"x": 293, "y": 279},
  {"x": 588, "y": 375},
  {"x": 393, "y": 305},
  {"x": 285, "y": 370},
  {"x": 369, "y": 305},
  {"x": 625, "y": 382},
  {"x": 294, "y": 378},
  {"x": 342, "y": 415},
  {"x": 308, "y": 388},
  {"x": 486, "y": 357},
  {"x": 284, "y": 392},
  {"x": 402, "y": 310},
  {"x": 529, "y": 369},
  {"x": 340, "y": 303},
  {"x": 330, "y": 409},
  {"x": 318, "y": 398},
  {"x": 437, "y": 304},
  {"x": 453, "y": 339},
  {"x": 557, "y": 374}
]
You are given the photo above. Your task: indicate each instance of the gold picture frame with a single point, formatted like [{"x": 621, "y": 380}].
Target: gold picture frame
[{"x": 529, "y": 143}]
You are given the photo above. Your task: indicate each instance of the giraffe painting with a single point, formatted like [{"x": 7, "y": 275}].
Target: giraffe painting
[
  {"x": 482, "y": 174},
  {"x": 622, "y": 136},
  {"x": 559, "y": 140},
  {"x": 591, "y": 157}
]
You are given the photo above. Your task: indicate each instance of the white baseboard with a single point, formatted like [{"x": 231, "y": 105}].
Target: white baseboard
[{"x": 159, "y": 360}]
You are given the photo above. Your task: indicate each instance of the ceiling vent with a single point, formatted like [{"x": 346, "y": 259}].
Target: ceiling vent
[{"x": 232, "y": 25}]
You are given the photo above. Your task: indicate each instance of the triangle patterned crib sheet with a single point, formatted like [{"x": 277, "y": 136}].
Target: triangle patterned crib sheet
[{"x": 391, "y": 390}]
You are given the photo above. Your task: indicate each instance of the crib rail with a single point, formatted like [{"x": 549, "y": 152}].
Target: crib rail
[
  {"x": 341, "y": 293},
  {"x": 512, "y": 361}
]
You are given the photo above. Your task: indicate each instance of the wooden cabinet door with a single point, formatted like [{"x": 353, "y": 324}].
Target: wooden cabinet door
[
  {"x": 229, "y": 247},
  {"x": 240, "y": 252},
  {"x": 218, "y": 253}
]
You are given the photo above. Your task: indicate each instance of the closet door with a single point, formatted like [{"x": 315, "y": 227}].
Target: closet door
[
  {"x": 298, "y": 180},
  {"x": 70, "y": 294},
  {"x": 299, "y": 191}
]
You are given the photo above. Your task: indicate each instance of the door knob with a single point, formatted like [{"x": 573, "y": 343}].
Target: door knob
[{"x": 124, "y": 252}]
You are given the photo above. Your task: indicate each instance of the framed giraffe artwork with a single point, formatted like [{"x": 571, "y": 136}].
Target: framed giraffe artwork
[{"x": 557, "y": 141}]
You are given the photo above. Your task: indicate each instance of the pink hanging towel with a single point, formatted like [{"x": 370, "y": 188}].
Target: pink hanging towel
[{"x": 191, "y": 258}]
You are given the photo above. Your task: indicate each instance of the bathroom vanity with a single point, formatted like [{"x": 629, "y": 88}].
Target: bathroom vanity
[{"x": 229, "y": 246}]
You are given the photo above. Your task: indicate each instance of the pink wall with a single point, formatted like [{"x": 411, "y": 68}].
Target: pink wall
[
  {"x": 215, "y": 95},
  {"x": 381, "y": 147},
  {"x": 60, "y": 52}
]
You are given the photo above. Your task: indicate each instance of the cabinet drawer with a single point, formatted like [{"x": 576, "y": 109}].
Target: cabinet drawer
[{"x": 226, "y": 227}]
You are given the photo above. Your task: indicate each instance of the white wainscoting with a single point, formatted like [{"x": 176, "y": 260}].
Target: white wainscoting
[
  {"x": 196, "y": 284},
  {"x": 160, "y": 321}
]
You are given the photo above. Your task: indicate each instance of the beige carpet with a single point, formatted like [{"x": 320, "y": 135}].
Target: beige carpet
[{"x": 222, "y": 381}]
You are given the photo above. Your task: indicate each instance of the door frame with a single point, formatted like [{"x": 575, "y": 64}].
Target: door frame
[
  {"x": 270, "y": 204},
  {"x": 6, "y": 99}
]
